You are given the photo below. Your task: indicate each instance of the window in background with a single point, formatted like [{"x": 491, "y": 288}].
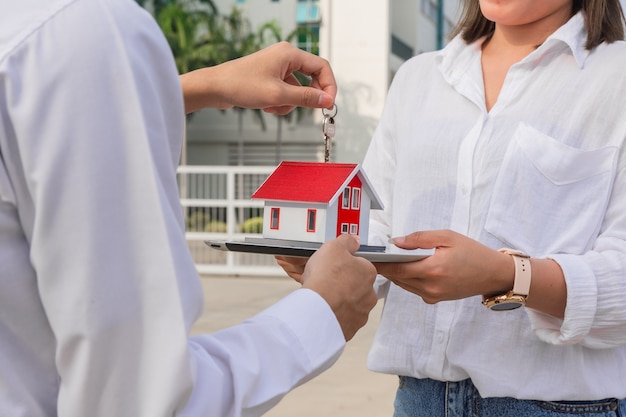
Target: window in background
[{"x": 308, "y": 18}]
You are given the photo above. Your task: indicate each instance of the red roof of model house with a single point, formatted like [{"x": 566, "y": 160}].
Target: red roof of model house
[{"x": 314, "y": 182}]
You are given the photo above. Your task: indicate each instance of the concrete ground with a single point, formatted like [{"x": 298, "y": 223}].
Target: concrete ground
[{"x": 348, "y": 389}]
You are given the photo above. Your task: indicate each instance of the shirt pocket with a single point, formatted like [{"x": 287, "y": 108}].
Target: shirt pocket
[{"x": 550, "y": 197}]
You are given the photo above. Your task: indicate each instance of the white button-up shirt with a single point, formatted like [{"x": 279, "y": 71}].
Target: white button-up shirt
[
  {"x": 98, "y": 291},
  {"x": 545, "y": 172}
]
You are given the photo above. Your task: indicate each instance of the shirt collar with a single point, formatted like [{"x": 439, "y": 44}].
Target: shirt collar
[
  {"x": 457, "y": 55},
  {"x": 574, "y": 35}
]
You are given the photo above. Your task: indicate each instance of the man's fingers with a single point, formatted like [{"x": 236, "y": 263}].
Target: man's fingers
[
  {"x": 308, "y": 97},
  {"x": 318, "y": 69},
  {"x": 350, "y": 242},
  {"x": 280, "y": 110},
  {"x": 297, "y": 95}
]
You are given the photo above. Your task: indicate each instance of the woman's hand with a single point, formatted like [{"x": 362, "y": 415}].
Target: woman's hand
[{"x": 460, "y": 267}]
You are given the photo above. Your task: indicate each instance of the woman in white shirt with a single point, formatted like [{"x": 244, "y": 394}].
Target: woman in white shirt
[{"x": 510, "y": 137}]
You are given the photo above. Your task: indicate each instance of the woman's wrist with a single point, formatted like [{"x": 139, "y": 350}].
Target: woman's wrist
[
  {"x": 548, "y": 291},
  {"x": 503, "y": 275}
]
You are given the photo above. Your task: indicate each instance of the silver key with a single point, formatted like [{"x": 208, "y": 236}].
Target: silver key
[
  {"x": 329, "y": 133},
  {"x": 328, "y": 129}
]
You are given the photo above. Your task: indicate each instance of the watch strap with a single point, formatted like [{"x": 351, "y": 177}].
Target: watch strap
[{"x": 521, "y": 283}]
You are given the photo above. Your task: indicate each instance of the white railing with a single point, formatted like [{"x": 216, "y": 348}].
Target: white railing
[{"x": 217, "y": 206}]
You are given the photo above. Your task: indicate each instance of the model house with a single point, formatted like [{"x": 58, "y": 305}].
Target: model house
[{"x": 316, "y": 201}]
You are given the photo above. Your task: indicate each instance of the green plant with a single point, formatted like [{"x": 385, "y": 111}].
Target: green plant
[
  {"x": 196, "y": 221},
  {"x": 216, "y": 226},
  {"x": 252, "y": 225}
]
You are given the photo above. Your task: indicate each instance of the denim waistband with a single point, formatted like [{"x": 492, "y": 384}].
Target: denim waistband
[{"x": 430, "y": 398}]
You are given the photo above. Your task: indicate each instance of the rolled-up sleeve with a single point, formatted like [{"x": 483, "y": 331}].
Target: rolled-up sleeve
[{"x": 595, "y": 316}]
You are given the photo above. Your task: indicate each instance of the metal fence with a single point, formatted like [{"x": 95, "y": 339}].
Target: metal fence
[{"x": 217, "y": 206}]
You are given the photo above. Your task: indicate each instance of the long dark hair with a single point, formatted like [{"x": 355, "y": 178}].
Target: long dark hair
[{"x": 604, "y": 20}]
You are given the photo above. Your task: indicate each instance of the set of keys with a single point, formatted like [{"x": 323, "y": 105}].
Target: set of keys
[{"x": 328, "y": 129}]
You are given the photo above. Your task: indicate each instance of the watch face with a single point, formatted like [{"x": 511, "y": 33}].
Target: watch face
[{"x": 506, "y": 305}]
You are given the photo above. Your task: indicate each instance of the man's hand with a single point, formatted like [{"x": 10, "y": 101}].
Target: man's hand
[
  {"x": 343, "y": 280},
  {"x": 262, "y": 80}
]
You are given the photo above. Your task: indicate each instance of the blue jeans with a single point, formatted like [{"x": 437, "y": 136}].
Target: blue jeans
[{"x": 429, "y": 398}]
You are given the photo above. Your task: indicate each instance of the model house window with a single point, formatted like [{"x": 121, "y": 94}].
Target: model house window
[
  {"x": 344, "y": 228},
  {"x": 345, "y": 201},
  {"x": 356, "y": 198},
  {"x": 310, "y": 220},
  {"x": 354, "y": 229},
  {"x": 274, "y": 218}
]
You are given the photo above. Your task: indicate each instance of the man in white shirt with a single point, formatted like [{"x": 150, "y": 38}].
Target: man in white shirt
[{"x": 97, "y": 288}]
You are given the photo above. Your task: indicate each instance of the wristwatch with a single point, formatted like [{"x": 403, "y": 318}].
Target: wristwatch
[{"x": 516, "y": 297}]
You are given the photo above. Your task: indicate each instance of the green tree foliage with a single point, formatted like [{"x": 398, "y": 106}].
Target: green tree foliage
[
  {"x": 235, "y": 36},
  {"x": 191, "y": 29},
  {"x": 188, "y": 34}
]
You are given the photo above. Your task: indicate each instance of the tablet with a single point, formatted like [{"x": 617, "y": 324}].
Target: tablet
[{"x": 306, "y": 249}]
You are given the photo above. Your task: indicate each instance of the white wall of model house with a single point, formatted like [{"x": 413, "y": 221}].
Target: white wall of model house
[
  {"x": 293, "y": 221},
  {"x": 294, "y": 215}
]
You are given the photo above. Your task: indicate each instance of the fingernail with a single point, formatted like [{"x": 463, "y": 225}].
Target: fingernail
[
  {"x": 396, "y": 240},
  {"x": 325, "y": 100}
]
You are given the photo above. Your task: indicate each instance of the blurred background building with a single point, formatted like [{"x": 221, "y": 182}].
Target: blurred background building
[{"x": 365, "y": 41}]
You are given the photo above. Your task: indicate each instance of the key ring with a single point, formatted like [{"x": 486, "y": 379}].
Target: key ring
[{"x": 335, "y": 110}]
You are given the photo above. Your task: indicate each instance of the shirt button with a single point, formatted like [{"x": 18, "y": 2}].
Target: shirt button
[{"x": 440, "y": 337}]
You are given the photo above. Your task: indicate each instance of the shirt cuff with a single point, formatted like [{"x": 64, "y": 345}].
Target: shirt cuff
[
  {"x": 582, "y": 293},
  {"x": 313, "y": 323}
]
